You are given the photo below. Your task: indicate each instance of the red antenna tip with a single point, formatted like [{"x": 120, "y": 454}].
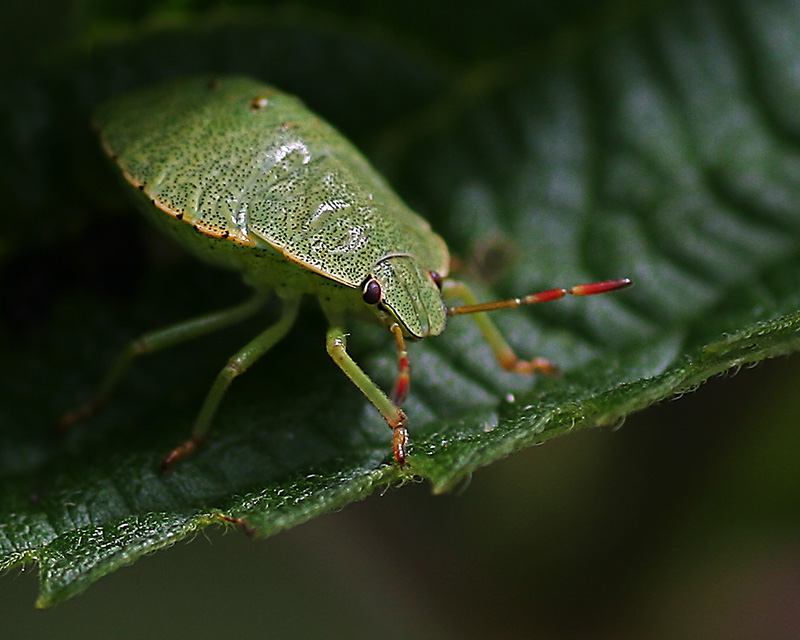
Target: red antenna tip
[{"x": 600, "y": 287}]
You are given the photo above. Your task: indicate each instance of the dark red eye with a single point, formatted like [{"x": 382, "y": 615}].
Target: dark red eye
[
  {"x": 371, "y": 291},
  {"x": 437, "y": 279}
]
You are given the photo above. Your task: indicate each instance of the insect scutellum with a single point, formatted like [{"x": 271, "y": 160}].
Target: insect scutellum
[{"x": 245, "y": 177}]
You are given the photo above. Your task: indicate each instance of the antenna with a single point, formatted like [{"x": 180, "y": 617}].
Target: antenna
[{"x": 542, "y": 296}]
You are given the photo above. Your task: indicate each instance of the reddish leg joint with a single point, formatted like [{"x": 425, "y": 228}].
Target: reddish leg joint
[
  {"x": 241, "y": 522},
  {"x": 400, "y": 443},
  {"x": 510, "y": 362},
  {"x": 401, "y": 386},
  {"x": 403, "y": 381},
  {"x": 179, "y": 453},
  {"x": 69, "y": 420}
]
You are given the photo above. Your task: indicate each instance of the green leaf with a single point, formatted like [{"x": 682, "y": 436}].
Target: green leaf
[{"x": 657, "y": 143}]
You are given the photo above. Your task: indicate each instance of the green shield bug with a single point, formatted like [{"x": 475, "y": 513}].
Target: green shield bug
[{"x": 246, "y": 177}]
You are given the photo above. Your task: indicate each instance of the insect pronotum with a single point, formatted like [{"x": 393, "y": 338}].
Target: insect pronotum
[{"x": 245, "y": 177}]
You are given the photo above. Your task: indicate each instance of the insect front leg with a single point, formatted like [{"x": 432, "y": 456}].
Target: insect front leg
[
  {"x": 403, "y": 380},
  {"x": 236, "y": 365},
  {"x": 336, "y": 343},
  {"x": 156, "y": 341},
  {"x": 502, "y": 350}
]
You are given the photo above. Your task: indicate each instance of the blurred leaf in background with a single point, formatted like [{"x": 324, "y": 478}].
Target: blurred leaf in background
[{"x": 550, "y": 144}]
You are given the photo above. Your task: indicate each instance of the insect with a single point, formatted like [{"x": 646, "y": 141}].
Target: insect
[{"x": 246, "y": 177}]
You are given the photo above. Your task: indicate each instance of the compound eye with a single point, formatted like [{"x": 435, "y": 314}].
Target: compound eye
[
  {"x": 437, "y": 279},
  {"x": 371, "y": 291}
]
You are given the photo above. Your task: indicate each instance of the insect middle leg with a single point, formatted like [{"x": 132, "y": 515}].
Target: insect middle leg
[
  {"x": 502, "y": 350},
  {"x": 337, "y": 349},
  {"x": 156, "y": 341},
  {"x": 236, "y": 365}
]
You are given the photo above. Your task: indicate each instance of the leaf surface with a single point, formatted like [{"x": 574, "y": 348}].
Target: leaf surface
[{"x": 658, "y": 144}]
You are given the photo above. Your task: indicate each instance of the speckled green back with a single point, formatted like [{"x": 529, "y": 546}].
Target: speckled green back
[{"x": 243, "y": 161}]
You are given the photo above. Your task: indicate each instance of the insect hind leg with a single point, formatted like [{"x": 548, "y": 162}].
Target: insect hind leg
[
  {"x": 236, "y": 365},
  {"x": 154, "y": 341}
]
